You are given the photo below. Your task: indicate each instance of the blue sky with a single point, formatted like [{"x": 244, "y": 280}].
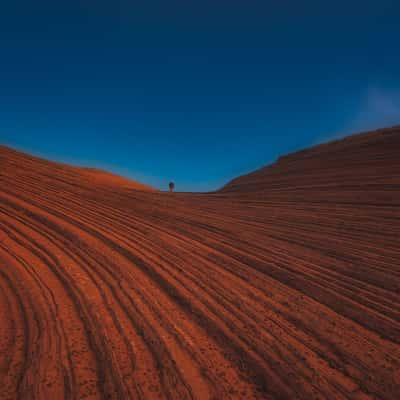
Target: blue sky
[{"x": 193, "y": 91}]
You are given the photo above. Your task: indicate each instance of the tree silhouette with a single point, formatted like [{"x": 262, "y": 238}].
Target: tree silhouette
[{"x": 171, "y": 186}]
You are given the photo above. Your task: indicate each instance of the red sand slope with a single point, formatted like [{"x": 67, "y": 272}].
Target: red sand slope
[{"x": 284, "y": 285}]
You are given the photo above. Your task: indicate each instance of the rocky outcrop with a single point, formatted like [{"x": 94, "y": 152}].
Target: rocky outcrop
[{"x": 284, "y": 285}]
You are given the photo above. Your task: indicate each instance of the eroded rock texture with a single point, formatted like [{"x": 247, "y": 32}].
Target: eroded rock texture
[{"x": 284, "y": 285}]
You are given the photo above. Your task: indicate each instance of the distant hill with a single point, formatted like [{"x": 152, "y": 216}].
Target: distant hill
[{"x": 365, "y": 164}]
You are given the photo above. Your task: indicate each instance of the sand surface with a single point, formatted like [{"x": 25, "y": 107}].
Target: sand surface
[{"x": 284, "y": 285}]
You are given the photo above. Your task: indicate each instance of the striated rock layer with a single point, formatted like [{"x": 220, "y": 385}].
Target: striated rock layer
[{"x": 283, "y": 285}]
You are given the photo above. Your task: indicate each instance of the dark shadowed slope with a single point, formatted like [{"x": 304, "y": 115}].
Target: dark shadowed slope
[
  {"x": 284, "y": 285},
  {"x": 363, "y": 167}
]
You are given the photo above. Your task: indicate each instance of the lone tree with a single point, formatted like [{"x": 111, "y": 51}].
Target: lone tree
[{"x": 171, "y": 186}]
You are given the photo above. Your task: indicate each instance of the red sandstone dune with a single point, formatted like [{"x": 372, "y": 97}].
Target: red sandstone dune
[
  {"x": 283, "y": 285},
  {"x": 96, "y": 176}
]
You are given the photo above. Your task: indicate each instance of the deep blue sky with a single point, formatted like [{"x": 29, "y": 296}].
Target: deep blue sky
[{"x": 193, "y": 91}]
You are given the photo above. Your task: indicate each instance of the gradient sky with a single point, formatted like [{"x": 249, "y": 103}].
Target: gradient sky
[{"x": 193, "y": 91}]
